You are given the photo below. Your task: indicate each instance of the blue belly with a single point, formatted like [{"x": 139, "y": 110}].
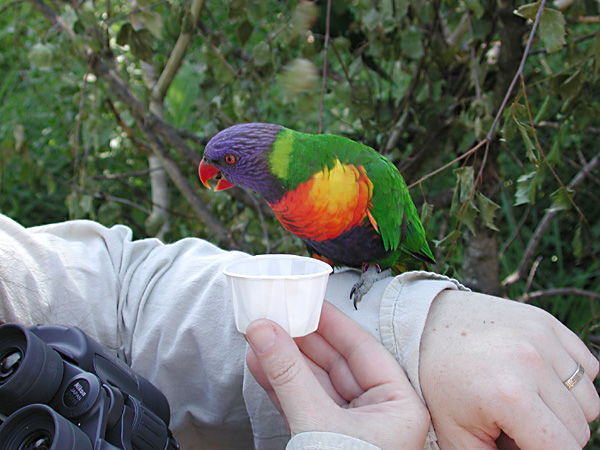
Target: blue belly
[{"x": 352, "y": 248}]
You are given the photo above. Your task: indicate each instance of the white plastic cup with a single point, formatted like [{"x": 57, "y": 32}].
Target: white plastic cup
[{"x": 287, "y": 289}]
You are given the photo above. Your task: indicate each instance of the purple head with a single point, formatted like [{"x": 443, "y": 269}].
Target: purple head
[{"x": 239, "y": 155}]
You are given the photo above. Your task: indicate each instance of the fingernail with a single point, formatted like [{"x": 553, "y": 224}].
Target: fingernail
[{"x": 261, "y": 337}]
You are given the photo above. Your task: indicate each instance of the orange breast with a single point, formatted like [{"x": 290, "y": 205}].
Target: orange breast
[{"x": 330, "y": 202}]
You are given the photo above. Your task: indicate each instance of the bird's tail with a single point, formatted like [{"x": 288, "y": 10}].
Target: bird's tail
[{"x": 414, "y": 261}]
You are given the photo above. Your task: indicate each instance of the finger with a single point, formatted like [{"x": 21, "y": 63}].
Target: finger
[
  {"x": 566, "y": 408},
  {"x": 360, "y": 350},
  {"x": 261, "y": 378},
  {"x": 547, "y": 431},
  {"x": 577, "y": 349},
  {"x": 299, "y": 393},
  {"x": 546, "y": 367},
  {"x": 325, "y": 381},
  {"x": 323, "y": 355},
  {"x": 571, "y": 351},
  {"x": 584, "y": 392}
]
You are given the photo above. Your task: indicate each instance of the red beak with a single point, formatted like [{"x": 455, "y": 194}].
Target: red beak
[{"x": 208, "y": 172}]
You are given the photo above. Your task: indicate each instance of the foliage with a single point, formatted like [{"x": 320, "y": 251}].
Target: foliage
[{"x": 423, "y": 82}]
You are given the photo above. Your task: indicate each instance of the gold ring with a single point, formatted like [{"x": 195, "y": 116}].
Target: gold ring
[{"x": 574, "y": 379}]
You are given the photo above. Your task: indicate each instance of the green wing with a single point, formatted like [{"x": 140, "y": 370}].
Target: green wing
[{"x": 395, "y": 212}]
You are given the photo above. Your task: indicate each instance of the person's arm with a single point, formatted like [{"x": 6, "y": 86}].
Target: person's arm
[
  {"x": 337, "y": 380},
  {"x": 490, "y": 366},
  {"x": 165, "y": 309},
  {"x": 517, "y": 337}
]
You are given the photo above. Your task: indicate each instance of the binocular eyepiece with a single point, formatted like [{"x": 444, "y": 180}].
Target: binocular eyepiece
[{"x": 61, "y": 389}]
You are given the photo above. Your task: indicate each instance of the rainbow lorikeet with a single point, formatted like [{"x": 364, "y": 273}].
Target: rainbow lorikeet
[{"x": 348, "y": 203}]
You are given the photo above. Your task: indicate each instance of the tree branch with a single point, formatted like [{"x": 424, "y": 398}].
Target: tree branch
[
  {"x": 152, "y": 128},
  {"x": 326, "y": 53},
  {"x": 176, "y": 57},
  {"x": 519, "y": 73},
  {"x": 543, "y": 225},
  {"x": 556, "y": 292}
]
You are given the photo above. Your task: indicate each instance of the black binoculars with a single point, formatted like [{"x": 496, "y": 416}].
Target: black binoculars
[{"x": 60, "y": 389}]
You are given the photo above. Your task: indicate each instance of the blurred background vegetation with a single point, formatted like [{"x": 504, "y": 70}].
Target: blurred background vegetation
[{"x": 490, "y": 109}]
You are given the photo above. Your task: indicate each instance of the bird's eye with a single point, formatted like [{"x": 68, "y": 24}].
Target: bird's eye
[{"x": 230, "y": 159}]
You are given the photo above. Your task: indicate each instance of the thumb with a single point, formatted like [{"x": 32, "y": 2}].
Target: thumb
[{"x": 299, "y": 394}]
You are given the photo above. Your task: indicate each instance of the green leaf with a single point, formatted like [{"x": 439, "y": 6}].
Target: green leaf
[
  {"x": 561, "y": 199},
  {"x": 488, "y": 210},
  {"x": 299, "y": 76},
  {"x": 87, "y": 204},
  {"x": 149, "y": 20},
  {"x": 87, "y": 15},
  {"x": 530, "y": 148},
  {"x": 448, "y": 240},
  {"x": 527, "y": 187},
  {"x": 411, "y": 40},
  {"x": 236, "y": 10},
  {"x": 304, "y": 16},
  {"x": 462, "y": 205},
  {"x": 69, "y": 17},
  {"x": 476, "y": 8},
  {"x": 543, "y": 111},
  {"x": 552, "y": 29},
  {"x": 244, "y": 31},
  {"x": 141, "y": 45},
  {"x": 554, "y": 156},
  {"x": 261, "y": 54},
  {"x": 469, "y": 213},
  {"x": 426, "y": 213},
  {"x": 572, "y": 86},
  {"x": 41, "y": 55},
  {"x": 551, "y": 26},
  {"x": 528, "y": 11},
  {"x": 124, "y": 34},
  {"x": 183, "y": 95},
  {"x": 371, "y": 19},
  {"x": 464, "y": 182},
  {"x": 109, "y": 213},
  {"x": 401, "y": 8}
]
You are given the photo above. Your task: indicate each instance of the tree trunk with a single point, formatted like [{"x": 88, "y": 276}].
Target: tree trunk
[{"x": 481, "y": 265}]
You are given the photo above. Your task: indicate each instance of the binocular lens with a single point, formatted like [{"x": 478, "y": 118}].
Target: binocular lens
[
  {"x": 38, "y": 440},
  {"x": 39, "y": 427},
  {"x": 30, "y": 370},
  {"x": 9, "y": 363}
]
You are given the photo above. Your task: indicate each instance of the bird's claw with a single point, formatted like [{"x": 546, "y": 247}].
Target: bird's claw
[
  {"x": 371, "y": 274},
  {"x": 355, "y": 294}
]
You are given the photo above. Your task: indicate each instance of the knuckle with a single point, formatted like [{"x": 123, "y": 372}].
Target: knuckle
[
  {"x": 529, "y": 354},
  {"x": 510, "y": 392},
  {"x": 283, "y": 371}
]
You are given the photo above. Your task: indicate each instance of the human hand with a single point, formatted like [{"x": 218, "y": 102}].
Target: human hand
[
  {"x": 338, "y": 379},
  {"x": 489, "y": 365}
]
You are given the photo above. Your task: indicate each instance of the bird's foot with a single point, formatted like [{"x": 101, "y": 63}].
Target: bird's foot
[{"x": 370, "y": 275}]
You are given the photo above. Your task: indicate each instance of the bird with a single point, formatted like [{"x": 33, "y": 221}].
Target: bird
[{"x": 348, "y": 203}]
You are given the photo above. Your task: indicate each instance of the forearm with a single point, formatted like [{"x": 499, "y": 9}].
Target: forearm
[{"x": 163, "y": 308}]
